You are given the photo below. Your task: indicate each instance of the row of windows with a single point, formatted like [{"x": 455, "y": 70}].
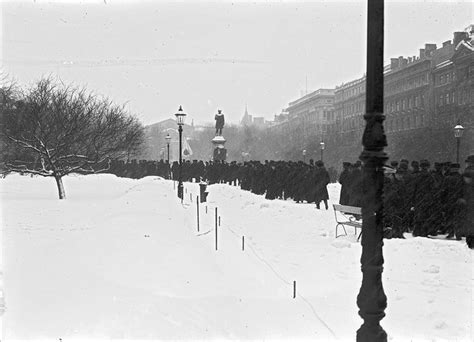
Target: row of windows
[
  {"x": 344, "y": 94},
  {"x": 409, "y": 102},
  {"x": 407, "y": 84},
  {"x": 445, "y": 78},
  {"x": 451, "y": 97},
  {"x": 395, "y": 124}
]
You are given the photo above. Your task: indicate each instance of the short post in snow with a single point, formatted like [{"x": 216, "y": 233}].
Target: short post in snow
[
  {"x": 197, "y": 205},
  {"x": 219, "y": 220},
  {"x": 191, "y": 197},
  {"x": 243, "y": 243},
  {"x": 216, "y": 228},
  {"x": 294, "y": 288},
  {"x": 206, "y": 209}
]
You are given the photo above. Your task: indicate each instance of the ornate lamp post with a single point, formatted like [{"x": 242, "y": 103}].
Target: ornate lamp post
[
  {"x": 180, "y": 116},
  {"x": 304, "y": 156},
  {"x": 168, "y": 140},
  {"x": 371, "y": 299},
  {"x": 321, "y": 147},
  {"x": 458, "y": 130}
]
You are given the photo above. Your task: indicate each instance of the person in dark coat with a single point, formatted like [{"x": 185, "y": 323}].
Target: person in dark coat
[
  {"x": 467, "y": 205},
  {"x": 344, "y": 179},
  {"x": 423, "y": 202},
  {"x": 322, "y": 180},
  {"x": 470, "y": 163},
  {"x": 452, "y": 192},
  {"x": 355, "y": 198},
  {"x": 394, "y": 208}
]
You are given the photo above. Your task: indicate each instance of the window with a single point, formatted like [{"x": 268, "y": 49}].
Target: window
[
  {"x": 440, "y": 100},
  {"x": 398, "y": 106},
  {"x": 446, "y": 97}
]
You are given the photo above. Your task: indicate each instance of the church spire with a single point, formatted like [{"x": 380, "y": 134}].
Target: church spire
[{"x": 247, "y": 119}]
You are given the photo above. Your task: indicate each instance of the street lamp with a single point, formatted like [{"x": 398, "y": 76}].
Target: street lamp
[
  {"x": 304, "y": 156},
  {"x": 180, "y": 116},
  {"x": 372, "y": 300},
  {"x": 321, "y": 147},
  {"x": 458, "y": 130},
  {"x": 168, "y": 139}
]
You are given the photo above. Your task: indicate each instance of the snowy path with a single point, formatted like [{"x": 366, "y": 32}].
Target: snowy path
[{"x": 122, "y": 258}]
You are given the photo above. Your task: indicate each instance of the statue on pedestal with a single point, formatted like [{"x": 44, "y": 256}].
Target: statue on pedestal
[
  {"x": 219, "y": 151},
  {"x": 219, "y": 122}
]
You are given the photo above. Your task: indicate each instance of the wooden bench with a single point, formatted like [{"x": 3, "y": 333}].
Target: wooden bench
[{"x": 348, "y": 216}]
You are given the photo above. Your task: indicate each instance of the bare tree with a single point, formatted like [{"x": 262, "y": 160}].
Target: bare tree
[{"x": 62, "y": 130}]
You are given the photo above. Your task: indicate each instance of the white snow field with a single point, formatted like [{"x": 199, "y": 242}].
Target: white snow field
[{"x": 122, "y": 259}]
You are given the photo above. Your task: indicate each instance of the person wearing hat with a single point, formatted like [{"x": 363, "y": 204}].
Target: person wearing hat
[
  {"x": 403, "y": 167},
  {"x": 467, "y": 205},
  {"x": 393, "y": 200},
  {"x": 452, "y": 192},
  {"x": 470, "y": 163},
  {"x": 322, "y": 180},
  {"x": 423, "y": 202},
  {"x": 355, "y": 191},
  {"x": 344, "y": 179},
  {"x": 415, "y": 167}
]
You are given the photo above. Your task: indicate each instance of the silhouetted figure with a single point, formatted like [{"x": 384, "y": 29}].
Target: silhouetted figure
[{"x": 219, "y": 122}]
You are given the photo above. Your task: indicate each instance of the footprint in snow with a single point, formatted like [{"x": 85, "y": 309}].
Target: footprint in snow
[{"x": 432, "y": 269}]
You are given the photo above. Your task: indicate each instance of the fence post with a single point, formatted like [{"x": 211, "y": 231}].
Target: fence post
[
  {"x": 243, "y": 242},
  {"x": 197, "y": 205},
  {"x": 294, "y": 288},
  {"x": 216, "y": 228}
]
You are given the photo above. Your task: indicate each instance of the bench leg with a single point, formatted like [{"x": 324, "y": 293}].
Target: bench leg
[{"x": 339, "y": 224}]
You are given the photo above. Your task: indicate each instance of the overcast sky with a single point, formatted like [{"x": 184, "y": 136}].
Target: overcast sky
[{"x": 155, "y": 56}]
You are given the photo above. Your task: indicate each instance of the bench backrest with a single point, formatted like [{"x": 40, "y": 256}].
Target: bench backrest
[{"x": 347, "y": 209}]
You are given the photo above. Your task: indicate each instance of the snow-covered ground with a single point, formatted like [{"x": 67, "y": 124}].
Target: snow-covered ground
[{"x": 123, "y": 259}]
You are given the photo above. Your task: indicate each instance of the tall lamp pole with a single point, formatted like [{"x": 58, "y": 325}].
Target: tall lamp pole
[
  {"x": 458, "y": 130},
  {"x": 180, "y": 116},
  {"x": 321, "y": 147},
  {"x": 168, "y": 140},
  {"x": 372, "y": 300}
]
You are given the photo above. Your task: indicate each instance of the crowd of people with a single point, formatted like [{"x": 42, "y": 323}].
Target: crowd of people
[
  {"x": 424, "y": 199},
  {"x": 419, "y": 198},
  {"x": 275, "y": 179}
]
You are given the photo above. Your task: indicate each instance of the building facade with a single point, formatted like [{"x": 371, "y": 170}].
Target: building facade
[{"x": 425, "y": 96}]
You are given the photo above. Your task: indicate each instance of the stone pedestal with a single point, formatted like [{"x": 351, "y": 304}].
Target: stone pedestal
[{"x": 219, "y": 150}]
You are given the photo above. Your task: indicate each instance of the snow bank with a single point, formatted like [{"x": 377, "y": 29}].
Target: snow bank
[{"x": 123, "y": 258}]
